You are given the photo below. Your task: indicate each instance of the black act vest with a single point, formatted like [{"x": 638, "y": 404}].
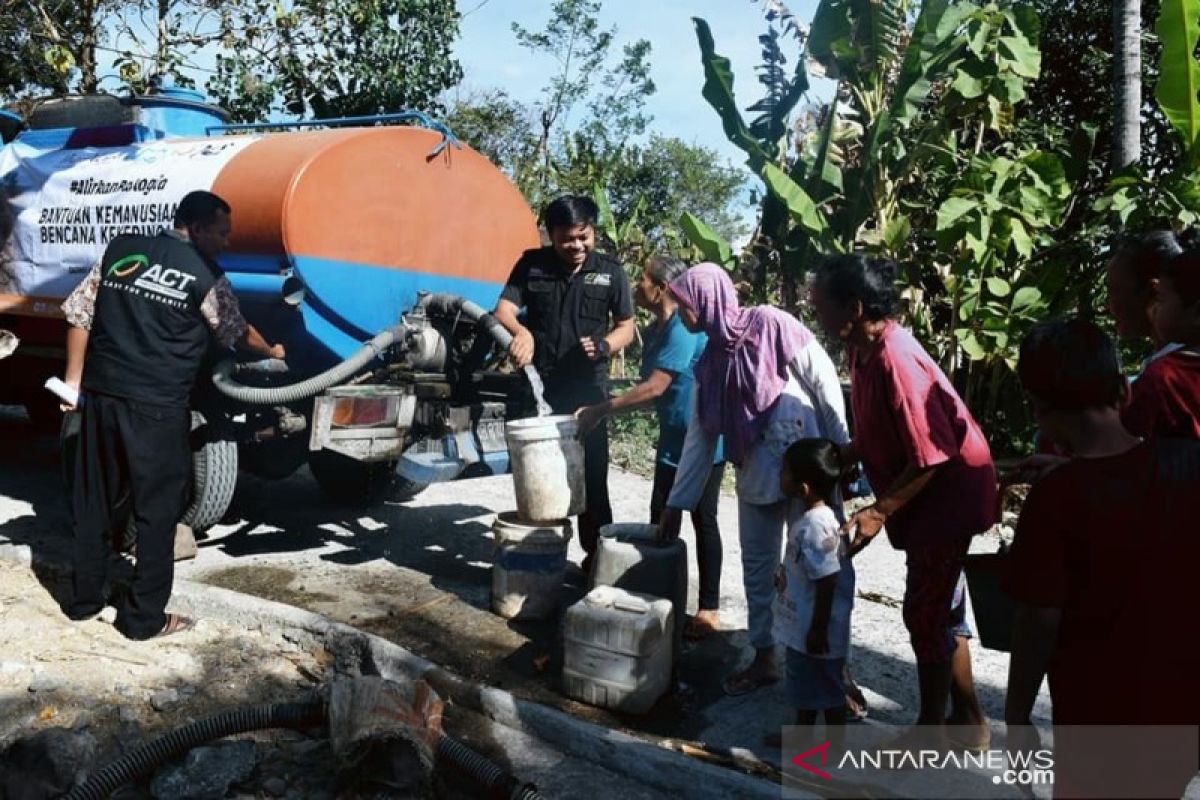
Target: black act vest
[{"x": 148, "y": 336}]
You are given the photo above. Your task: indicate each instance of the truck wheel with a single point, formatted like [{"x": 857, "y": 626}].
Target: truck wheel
[
  {"x": 273, "y": 461},
  {"x": 358, "y": 483},
  {"x": 214, "y": 476}
]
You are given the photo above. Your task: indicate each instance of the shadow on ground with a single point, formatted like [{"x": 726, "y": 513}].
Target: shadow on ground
[{"x": 420, "y": 576}]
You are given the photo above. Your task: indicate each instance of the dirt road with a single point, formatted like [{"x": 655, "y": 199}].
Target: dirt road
[{"x": 419, "y": 574}]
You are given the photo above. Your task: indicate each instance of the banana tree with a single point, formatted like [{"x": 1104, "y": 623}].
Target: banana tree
[
  {"x": 1135, "y": 199},
  {"x": 912, "y": 159},
  {"x": 899, "y": 89},
  {"x": 764, "y": 139}
]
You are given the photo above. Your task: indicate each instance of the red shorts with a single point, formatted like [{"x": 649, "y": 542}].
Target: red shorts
[{"x": 934, "y": 600}]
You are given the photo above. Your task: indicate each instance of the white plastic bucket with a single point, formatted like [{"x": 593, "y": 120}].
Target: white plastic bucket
[
  {"x": 547, "y": 467},
  {"x": 528, "y": 567}
]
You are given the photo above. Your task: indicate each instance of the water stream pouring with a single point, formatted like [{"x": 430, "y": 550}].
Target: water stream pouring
[{"x": 539, "y": 391}]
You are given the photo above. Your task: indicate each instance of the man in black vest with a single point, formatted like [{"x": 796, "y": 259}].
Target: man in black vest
[
  {"x": 143, "y": 317},
  {"x": 569, "y": 293}
]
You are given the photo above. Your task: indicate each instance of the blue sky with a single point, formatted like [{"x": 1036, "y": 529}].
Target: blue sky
[{"x": 491, "y": 58}]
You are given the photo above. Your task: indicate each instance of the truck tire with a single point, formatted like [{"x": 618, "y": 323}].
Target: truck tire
[
  {"x": 358, "y": 483},
  {"x": 214, "y": 476}
]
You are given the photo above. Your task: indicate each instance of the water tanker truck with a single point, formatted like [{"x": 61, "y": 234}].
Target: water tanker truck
[{"x": 370, "y": 251}]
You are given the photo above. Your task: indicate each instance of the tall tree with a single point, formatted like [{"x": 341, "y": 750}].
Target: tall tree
[
  {"x": 57, "y": 46},
  {"x": 160, "y": 39},
  {"x": 24, "y": 68},
  {"x": 1127, "y": 83},
  {"x": 329, "y": 58},
  {"x": 497, "y": 126},
  {"x": 614, "y": 94},
  {"x": 64, "y": 36}
]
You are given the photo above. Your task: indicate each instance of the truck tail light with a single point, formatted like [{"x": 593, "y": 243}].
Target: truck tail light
[{"x": 365, "y": 412}]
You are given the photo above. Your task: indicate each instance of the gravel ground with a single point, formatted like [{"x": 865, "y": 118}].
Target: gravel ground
[
  {"x": 114, "y": 694},
  {"x": 419, "y": 573}
]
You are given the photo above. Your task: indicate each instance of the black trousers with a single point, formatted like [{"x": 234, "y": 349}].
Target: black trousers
[
  {"x": 704, "y": 519},
  {"x": 139, "y": 450},
  {"x": 565, "y": 397}
]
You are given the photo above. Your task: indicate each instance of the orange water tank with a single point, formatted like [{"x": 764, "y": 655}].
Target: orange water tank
[{"x": 365, "y": 218}]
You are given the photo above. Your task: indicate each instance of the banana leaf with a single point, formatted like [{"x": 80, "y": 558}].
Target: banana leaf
[
  {"x": 707, "y": 241},
  {"x": 800, "y": 205},
  {"x": 830, "y": 38},
  {"x": 929, "y": 49},
  {"x": 1179, "y": 74},
  {"x": 718, "y": 91},
  {"x": 606, "y": 222},
  {"x": 822, "y": 166}
]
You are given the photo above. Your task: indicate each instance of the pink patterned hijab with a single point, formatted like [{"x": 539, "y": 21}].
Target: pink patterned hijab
[{"x": 744, "y": 368}]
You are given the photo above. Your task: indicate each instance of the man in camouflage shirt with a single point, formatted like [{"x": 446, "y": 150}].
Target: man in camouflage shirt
[{"x": 140, "y": 327}]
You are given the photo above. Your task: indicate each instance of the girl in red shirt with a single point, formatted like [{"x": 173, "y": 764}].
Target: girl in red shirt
[{"x": 1166, "y": 397}]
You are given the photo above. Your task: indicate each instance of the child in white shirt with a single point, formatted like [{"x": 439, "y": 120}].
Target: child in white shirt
[{"x": 815, "y": 586}]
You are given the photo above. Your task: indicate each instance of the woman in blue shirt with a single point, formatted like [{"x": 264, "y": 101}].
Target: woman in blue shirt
[{"x": 669, "y": 354}]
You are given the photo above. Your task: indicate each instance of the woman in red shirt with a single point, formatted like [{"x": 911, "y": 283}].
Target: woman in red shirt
[{"x": 930, "y": 467}]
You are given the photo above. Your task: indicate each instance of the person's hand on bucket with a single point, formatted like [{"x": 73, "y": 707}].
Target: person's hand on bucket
[
  {"x": 588, "y": 417},
  {"x": 669, "y": 524},
  {"x": 68, "y": 408},
  {"x": 594, "y": 347}
]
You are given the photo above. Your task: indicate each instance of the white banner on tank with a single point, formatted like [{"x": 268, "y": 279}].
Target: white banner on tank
[{"x": 67, "y": 205}]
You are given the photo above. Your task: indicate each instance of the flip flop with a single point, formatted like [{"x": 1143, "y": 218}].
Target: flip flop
[
  {"x": 176, "y": 623},
  {"x": 971, "y": 747},
  {"x": 855, "y": 711},
  {"x": 741, "y": 684}
]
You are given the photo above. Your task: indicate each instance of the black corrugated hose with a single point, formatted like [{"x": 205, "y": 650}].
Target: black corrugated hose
[
  {"x": 498, "y": 782},
  {"x": 148, "y": 757},
  {"x": 448, "y": 304},
  {"x": 227, "y": 385}
]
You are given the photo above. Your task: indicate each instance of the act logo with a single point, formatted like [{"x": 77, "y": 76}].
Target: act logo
[{"x": 128, "y": 265}]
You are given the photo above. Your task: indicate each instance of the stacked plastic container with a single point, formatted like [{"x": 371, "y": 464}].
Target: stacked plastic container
[
  {"x": 622, "y": 640},
  {"x": 530, "y": 558}
]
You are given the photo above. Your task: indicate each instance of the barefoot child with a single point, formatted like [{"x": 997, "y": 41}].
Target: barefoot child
[{"x": 815, "y": 587}]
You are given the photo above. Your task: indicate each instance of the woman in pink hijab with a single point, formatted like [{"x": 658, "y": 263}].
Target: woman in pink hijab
[{"x": 763, "y": 382}]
